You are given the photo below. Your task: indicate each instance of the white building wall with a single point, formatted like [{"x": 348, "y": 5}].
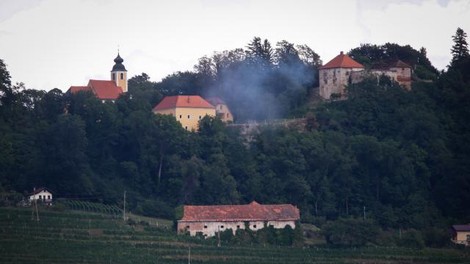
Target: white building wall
[
  {"x": 209, "y": 229},
  {"x": 43, "y": 195}
]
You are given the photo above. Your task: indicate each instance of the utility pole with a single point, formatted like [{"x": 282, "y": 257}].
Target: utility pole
[
  {"x": 124, "y": 209},
  {"x": 189, "y": 255}
]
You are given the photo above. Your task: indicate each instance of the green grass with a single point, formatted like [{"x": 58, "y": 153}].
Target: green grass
[{"x": 78, "y": 237}]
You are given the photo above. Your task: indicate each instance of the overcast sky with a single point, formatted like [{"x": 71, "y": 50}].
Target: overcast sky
[{"x": 58, "y": 43}]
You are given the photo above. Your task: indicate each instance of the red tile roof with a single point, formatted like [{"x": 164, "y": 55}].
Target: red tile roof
[
  {"x": 186, "y": 101},
  {"x": 342, "y": 61},
  {"x": 250, "y": 212},
  {"x": 76, "y": 89},
  {"x": 105, "y": 90}
]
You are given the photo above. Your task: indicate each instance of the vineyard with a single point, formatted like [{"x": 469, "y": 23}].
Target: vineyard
[
  {"x": 77, "y": 237},
  {"x": 91, "y": 207}
]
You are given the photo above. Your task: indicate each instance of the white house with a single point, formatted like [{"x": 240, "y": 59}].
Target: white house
[
  {"x": 41, "y": 194},
  {"x": 208, "y": 220}
]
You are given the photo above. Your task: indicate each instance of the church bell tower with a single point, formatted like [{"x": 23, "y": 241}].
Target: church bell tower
[{"x": 119, "y": 73}]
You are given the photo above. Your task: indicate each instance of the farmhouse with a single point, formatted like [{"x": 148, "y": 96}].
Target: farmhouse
[
  {"x": 461, "y": 234},
  {"x": 41, "y": 194},
  {"x": 208, "y": 220},
  {"x": 342, "y": 70},
  {"x": 107, "y": 90},
  {"x": 187, "y": 109}
]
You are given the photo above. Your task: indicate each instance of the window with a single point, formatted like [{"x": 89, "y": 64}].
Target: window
[
  {"x": 254, "y": 226},
  {"x": 113, "y": 76},
  {"x": 205, "y": 226},
  {"x": 40, "y": 197},
  {"x": 200, "y": 117},
  {"x": 186, "y": 127},
  {"x": 181, "y": 116},
  {"x": 238, "y": 227},
  {"x": 222, "y": 227},
  {"x": 189, "y": 116},
  {"x": 187, "y": 227},
  {"x": 122, "y": 76},
  {"x": 49, "y": 197}
]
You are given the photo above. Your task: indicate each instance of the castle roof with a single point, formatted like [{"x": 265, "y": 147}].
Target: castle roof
[
  {"x": 249, "y": 212},
  {"x": 342, "y": 61},
  {"x": 39, "y": 190},
  {"x": 182, "y": 101}
]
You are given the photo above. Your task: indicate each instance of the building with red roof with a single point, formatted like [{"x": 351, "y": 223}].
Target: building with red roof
[
  {"x": 106, "y": 90},
  {"x": 336, "y": 74},
  {"x": 342, "y": 70},
  {"x": 210, "y": 219},
  {"x": 187, "y": 109}
]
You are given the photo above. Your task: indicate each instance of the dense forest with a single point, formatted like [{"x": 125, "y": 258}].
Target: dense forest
[{"x": 396, "y": 158}]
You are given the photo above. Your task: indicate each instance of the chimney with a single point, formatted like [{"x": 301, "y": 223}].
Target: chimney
[{"x": 341, "y": 52}]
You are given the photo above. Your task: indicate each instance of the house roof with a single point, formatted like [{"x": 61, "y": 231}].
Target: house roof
[
  {"x": 38, "y": 190},
  {"x": 461, "y": 227},
  {"x": 105, "y": 90},
  {"x": 342, "y": 61},
  {"x": 183, "y": 101},
  {"x": 249, "y": 212}
]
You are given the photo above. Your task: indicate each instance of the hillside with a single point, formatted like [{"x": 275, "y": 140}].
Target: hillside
[{"x": 73, "y": 237}]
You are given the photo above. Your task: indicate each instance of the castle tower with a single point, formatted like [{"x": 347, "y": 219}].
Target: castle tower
[{"x": 119, "y": 73}]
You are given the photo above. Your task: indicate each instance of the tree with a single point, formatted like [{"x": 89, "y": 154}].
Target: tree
[{"x": 460, "y": 48}]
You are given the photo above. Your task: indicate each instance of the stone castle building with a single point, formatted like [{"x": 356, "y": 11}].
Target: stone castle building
[{"x": 342, "y": 70}]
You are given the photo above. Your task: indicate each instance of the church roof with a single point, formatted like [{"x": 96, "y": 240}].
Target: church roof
[
  {"x": 342, "y": 61},
  {"x": 76, "y": 89},
  {"x": 183, "y": 101},
  {"x": 118, "y": 66},
  {"x": 249, "y": 212},
  {"x": 105, "y": 90}
]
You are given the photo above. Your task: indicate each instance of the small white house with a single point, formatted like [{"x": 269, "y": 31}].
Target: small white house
[{"x": 41, "y": 194}]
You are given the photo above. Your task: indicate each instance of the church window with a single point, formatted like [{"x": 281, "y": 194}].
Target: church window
[
  {"x": 181, "y": 116},
  {"x": 122, "y": 76},
  {"x": 189, "y": 116},
  {"x": 113, "y": 76}
]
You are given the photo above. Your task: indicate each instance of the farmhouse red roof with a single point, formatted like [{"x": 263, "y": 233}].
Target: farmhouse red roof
[
  {"x": 188, "y": 101},
  {"x": 342, "y": 61},
  {"x": 250, "y": 212}
]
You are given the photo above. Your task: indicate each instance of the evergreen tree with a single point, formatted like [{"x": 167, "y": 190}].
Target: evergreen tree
[{"x": 460, "y": 48}]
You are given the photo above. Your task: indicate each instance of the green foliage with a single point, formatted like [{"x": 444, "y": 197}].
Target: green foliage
[{"x": 350, "y": 232}]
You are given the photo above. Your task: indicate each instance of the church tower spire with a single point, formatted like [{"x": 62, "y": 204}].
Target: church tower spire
[{"x": 119, "y": 73}]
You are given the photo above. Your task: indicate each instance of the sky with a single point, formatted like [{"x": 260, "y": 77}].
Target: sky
[{"x": 50, "y": 44}]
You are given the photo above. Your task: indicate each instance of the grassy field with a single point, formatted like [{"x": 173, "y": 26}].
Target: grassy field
[{"x": 74, "y": 237}]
